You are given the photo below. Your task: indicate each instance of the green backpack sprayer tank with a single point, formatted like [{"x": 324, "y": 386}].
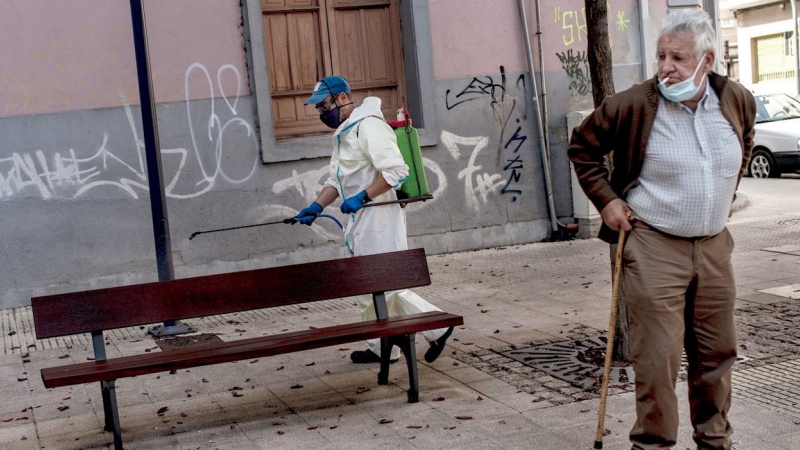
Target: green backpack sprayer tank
[{"x": 416, "y": 186}]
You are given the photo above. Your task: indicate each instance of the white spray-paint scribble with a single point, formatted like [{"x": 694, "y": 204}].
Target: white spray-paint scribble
[
  {"x": 477, "y": 186},
  {"x": 69, "y": 176}
]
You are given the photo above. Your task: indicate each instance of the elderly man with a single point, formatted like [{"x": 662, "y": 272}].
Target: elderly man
[
  {"x": 681, "y": 143},
  {"x": 367, "y": 165}
]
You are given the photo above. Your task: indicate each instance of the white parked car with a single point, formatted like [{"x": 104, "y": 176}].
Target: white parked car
[{"x": 777, "y": 141}]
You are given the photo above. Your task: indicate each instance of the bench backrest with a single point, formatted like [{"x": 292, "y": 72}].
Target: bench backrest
[{"x": 125, "y": 306}]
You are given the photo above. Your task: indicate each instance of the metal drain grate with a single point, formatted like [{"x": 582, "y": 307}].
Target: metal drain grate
[
  {"x": 580, "y": 362},
  {"x": 567, "y": 361}
]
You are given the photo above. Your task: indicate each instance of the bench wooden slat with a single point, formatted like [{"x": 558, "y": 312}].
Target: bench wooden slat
[
  {"x": 244, "y": 349},
  {"x": 103, "y": 309}
]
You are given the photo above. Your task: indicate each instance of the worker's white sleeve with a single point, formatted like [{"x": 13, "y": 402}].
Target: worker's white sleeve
[
  {"x": 331, "y": 181},
  {"x": 379, "y": 143}
]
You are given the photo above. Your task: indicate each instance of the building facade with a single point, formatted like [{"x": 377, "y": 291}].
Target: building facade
[{"x": 238, "y": 147}]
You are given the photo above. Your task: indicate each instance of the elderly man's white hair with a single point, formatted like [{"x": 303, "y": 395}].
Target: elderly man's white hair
[{"x": 695, "y": 22}]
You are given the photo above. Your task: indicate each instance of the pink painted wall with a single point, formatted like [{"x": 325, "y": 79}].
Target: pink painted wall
[
  {"x": 475, "y": 37},
  {"x": 61, "y": 55}
]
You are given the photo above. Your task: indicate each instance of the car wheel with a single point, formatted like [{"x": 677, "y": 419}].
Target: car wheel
[{"x": 762, "y": 165}]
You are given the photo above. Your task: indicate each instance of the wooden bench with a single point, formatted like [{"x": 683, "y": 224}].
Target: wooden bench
[{"x": 104, "y": 309}]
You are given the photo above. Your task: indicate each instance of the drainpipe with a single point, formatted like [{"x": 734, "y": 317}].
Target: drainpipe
[
  {"x": 542, "y": 78},
  {"x": 540, "y": 127},
  {"x": 796, "y": 50}
]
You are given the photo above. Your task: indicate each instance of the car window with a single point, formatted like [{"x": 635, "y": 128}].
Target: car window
[{"x": 775, "y": 107}]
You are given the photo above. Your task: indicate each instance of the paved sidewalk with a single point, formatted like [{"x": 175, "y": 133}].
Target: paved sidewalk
[{"x": 473, "y": 397}]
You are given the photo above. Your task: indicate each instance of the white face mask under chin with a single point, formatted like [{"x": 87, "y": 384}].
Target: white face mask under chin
[{"x": 682, "y": 91}]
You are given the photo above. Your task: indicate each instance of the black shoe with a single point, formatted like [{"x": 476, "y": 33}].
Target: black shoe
[
  {"x": 437, "y": 346},
  {"x": 366, "y": 357}
]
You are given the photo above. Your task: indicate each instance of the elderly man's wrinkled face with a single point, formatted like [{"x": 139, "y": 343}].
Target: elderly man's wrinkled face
[{"x": 677, "y": 62}]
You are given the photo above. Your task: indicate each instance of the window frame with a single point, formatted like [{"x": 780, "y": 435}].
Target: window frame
[{"x": 418, "y": 64}]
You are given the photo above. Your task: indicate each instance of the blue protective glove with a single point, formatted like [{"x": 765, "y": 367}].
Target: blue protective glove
[
  {"x": 354, "y": 203},
  {"x": 307, "y": 215}
]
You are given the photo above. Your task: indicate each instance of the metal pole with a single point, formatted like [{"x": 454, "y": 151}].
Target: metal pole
[
  {"x": 542, "y": 78},
  {"x": 537, "y": 110},
  {"x": 794, "y": 44},
  {"x": 155, "y": 177}
]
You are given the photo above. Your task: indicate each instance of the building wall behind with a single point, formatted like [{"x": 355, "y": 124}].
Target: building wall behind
[
  {"x": 758, "y": 22},
  {"x": 77, "y": 55},
  {"x": 74, "y": 205}
]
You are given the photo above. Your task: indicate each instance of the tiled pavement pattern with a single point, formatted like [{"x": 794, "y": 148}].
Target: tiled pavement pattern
[
  {"x": 515, "y": 296},
  {"x": 775, "y": 387}
]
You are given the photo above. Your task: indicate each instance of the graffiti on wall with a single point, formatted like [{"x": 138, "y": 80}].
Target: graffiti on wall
[
  {"x": 577, "y": 67},
  {"x": 480, "y": 185},
  {"x": 573, "y": 23},
  {"x": 574, "y": 34},
  {"x": 71, "y": 174}
]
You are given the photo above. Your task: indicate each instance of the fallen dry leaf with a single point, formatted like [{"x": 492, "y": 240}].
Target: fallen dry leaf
[
  {"x": 385, "y": 421},
  {"x": 63, "y": 357},
  {"x": 63, "y": 408},
  {"x": 437, "y": 399},
  {"x": 297, "y": 386},
  {"x": 163, "y": 409},
  {"x": 464, "y": 417},
  {"x": 313, "y": 427}
]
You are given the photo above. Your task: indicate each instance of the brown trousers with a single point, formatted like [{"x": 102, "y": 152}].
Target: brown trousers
[{"x": 681, "y": 294}]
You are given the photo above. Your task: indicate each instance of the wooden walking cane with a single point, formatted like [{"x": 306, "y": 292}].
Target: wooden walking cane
[{"x": 612, "y": 324}]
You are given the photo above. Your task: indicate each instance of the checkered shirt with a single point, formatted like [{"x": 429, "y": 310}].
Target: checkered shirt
[{"x": 690, "y": 169}]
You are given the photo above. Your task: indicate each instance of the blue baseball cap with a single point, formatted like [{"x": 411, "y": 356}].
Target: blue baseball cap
[{"x": 331, "y": 85}]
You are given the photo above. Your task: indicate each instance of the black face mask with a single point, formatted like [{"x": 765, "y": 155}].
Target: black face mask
[{"x": 331, "y": 118}]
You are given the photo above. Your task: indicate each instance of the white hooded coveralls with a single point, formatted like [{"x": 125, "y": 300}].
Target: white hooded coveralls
[{"x": 364, "y": 148}]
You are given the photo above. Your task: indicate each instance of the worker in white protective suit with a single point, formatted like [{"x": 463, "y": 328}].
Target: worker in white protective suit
[{"x": 366, "y": 165}]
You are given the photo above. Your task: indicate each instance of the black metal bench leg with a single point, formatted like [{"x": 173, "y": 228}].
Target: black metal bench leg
[
  {"x": 112, "y": 412},
  {"x": 409, "y": 350},
  {"x": 406, "y": 344},
  {"x": 386, "y": 354}
]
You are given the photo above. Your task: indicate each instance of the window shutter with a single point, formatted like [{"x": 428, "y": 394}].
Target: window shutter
[{"x": 309, "y": 39}]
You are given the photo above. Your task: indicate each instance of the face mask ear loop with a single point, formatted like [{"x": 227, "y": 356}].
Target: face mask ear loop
[{"x": 333, "y": 96}]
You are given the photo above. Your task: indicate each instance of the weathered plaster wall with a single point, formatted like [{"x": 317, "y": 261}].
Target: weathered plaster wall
[
  {"x": 76, "y": 55},
  {"x": 74, "y": 204}
]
